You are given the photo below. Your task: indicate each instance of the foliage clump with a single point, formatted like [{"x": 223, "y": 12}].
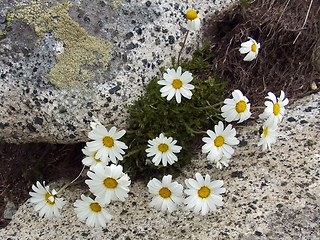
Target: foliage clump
[{"x": 152, "y": 114}]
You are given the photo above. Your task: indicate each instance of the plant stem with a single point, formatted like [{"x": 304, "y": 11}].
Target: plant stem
[
  {"x": 193, "y": 131},
  {"x": 132, "y": 152},
  {"x": 183, "y": 44},
  {"x": 285, "y": 7},
  {"x": 305, "y": 21},
  {"x": 259, "y": 107},
  {"x": 210, "y": 106},
  {"x": 68, "y": 184}
]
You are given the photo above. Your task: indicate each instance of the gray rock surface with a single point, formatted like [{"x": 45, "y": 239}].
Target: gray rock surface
[
  {"x": 273, "y": 195},
  {"x": 64, "y": 62},
  {"x": 9, "y": 210}
]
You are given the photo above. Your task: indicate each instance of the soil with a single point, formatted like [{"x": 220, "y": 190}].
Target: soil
[
  {"x": 282, "y": 64},
  {"x": 24, "y": 164}
]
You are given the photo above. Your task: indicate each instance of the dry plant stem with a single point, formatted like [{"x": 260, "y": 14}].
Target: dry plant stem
[
  {"x": 68, "y": 184},
  {"x": 305, "y": 21},
  {"x": 285, "y": 7},
  {"x": 225, "y": 58},
  {"x": 133, "y": 152},
  {"x": 183, "y": 44}
]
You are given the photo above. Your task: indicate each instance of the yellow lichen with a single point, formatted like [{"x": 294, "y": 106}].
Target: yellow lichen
[
  {"x": 10, "y": 17},
  {"x": 81, "y": 51},
  {"x": 30, "y": 11},
  {"x": 116, "y": 4},
  {"x": 3, "y": 33}
]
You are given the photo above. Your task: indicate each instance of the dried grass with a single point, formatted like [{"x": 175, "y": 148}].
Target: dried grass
[{"x": 283, "y": 63}]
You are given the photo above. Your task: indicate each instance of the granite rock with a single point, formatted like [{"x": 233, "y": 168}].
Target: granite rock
[
  {"x": 270, "y": 195},
  {"x": 64, "y": 62}
]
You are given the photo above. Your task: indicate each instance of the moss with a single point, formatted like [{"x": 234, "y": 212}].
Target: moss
[
  {"x": 152, "y": 114},
  {"x": 82, "y": 51}
]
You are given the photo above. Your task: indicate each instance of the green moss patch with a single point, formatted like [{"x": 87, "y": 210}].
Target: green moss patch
[{"x": 152, "y": 114}]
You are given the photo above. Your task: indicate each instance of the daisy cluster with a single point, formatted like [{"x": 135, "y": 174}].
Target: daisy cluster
[
  {"x": 107, "y": 181},
  {"x": 203, "y": 195}
]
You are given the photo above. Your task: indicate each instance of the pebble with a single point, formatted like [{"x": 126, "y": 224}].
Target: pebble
[{"x": 10, "y": 210}]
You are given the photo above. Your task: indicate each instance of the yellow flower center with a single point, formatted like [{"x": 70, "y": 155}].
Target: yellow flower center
[
  {"x": 204, "y": 192},
  {"x": 96, "y": 159},
  {"x": 254, "y": 47},
  {"x": 265, "y": 132},
  {"x": 276, "y": 109},
  {"x": 110, "y": 183},
  {"x": 95, "y": 207},
  {"x": 241, "y": 106},
  {"x": 177, "y": 83},
  {"x": 108, "y": 142},
  {"x": 50, "y": 198},
  {"x": 163, "y": 147},
  {"x": 165, "y": 192},
  {"x": 191, "y": 15},
  {"x": 218, "y": 142}
]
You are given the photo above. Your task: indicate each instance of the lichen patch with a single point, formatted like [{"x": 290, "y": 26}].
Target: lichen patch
[
  {"x": 84, "y": 56},
  {"x": 116, "y": 4}
]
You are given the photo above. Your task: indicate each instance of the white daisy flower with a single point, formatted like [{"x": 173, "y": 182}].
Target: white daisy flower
[
  {"x": 168, "y": 194},
  {"x": 93, "y": 212},
  {"x": 203, "y": 194},
  {"x": 268, "y": 136},
  {"x": 163, "y": 148},
  {"x": 176, "y": 84},
  {"x": 108, "y": 183},
  {"x": 274, "y": 110},
  {"x": 219, "y": 142},
  {"x": 237, "y": 108},
  {"x": 45, "y": 201},
  {"x": 251, "y": 47},
  {"x": 106, "y": 144},
  {"x": 90, "y": 160},
  {"x": 193, "y": 21},
  {"x": 95, "y": 123},
  {"x": 222, "y": 161}
]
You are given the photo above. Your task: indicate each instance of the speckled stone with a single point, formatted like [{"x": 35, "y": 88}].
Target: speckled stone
[
  {"x": 272, "y": 195},
  {"x": 144, "y": 35}
]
